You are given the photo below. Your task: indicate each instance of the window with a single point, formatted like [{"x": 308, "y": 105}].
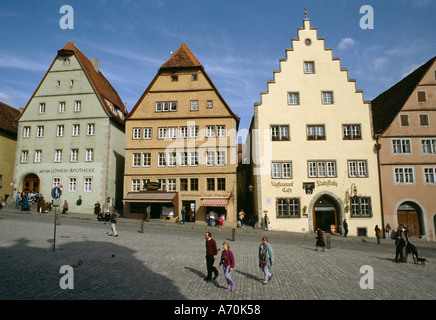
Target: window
[
  {"x": 76, "y": 130},
  {"x": 315, "y": 132},
  {"x": 193, "y": 132},
  {"x": 194, "y": 105},
  {"x": 194, "y": 77},
  {"x": 183, "y": 184},
  {"x": 183, "y": 159},
  {"x": 147, "y": 133},
  {"x": 287, "y": 208},
  {"x": 58, "y": 155},
  {"x": 423, "y": 120},
  {"x": 56, "y": 182},
  {"x": 194, "y": 184},
  {"x": 26, "y": 132},
  {"x": 136, "y": 184},
  {"x": 428, "y": 146},
  {"x": 327, "y": 97},
  {"x": 172, "y": 133},
  {"x": 210, "y": 184},
  {"x": 136, "y": 133},
  {"x": 38, "y": 155},
  {"x": 220, "y": 131},
  {"x": 221, "y": 184},
  {"x": 321, "y": 169},
  {"x": 357, "y": 169},
  {"x": 40, "y": 131},
  {"x": 144, "y": 183},
  {"x": 360, "y": 207},
  {"x": 58, "y": 83},
  {"x": 162, "y": 184},
  {"x": 66, "y": 62},
  {"x": 174, "y": 78},
  {"x": 24, "y": 156},
  {"x": 281, "y": 170},
  {"x": 193, "y": 158},
  {"x": 72, "y": 184},
  {"x": 71, "y": 83},
  {"x": 183, "y": 132},
  {"x": 136, "y": 160},
  {"x": 404, "y": 120},
  {"x": 171, "y": 184},
  {"x": 74, "y": 155},
  {"x": 60, "y": 130},
  {"x": 146, "y": 159},
  {"x": 42, "y": 107},
  {"x": 210, "y": 158},
  {"x": 87, "y": 184},
  {"x": 91, "y": 129},
  {"x": 309, "y": 67},
  {"x": 62, "y": 106},
  {"x": 401, "y": 146},
  {"x": 221, "y": 158},
  {"x": 165, "y": 106},
  {"x": 209, "y": 104},
  {"x": 422, "y": 96},
  {"x": 279, "y": 133},
  {"x": 77, "y": 106},
  {"x": 210, "y": 131},
  {"x": 161, "y": 159},
  {"x": 293, "y": 98},
  {"x": 162, "y": 133},
  {"x": 89, "y": 156},
  {"x": 404, "y": 175},
  {"x": 430, "y": 175},
  {"x": 351, "y": 132},
  {"x": 172, "y": 159}
]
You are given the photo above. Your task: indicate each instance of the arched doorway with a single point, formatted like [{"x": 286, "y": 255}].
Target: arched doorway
[
  {"x": 325, "y": 214},
  {"x": 31, "y": 184},
  {"x": 409, "y": 214}
]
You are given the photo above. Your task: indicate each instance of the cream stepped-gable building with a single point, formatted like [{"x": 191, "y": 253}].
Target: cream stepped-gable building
[{"x": 314, "y": 154}]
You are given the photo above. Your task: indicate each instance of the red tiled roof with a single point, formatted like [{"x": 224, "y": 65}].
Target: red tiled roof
[
  {"x": 388, "y": 104},
  {"x": 8, "y": 118},
  {"x": 182, "y": 58}
]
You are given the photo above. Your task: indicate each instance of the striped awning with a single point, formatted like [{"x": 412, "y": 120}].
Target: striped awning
[
  {"x": 150, "y": 197},
  {"x": 214, "y": 202}
]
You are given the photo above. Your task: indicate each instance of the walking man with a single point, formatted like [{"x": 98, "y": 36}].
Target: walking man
[
  {"x": 113, "y": 219},
  {"x": 345, "y": 225},
  {"x": 211, "y": 252}
]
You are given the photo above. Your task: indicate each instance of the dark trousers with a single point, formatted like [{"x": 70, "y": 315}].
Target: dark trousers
[
  {"x": 399, "y": 254},
  {"x": 210, "y": 268}
]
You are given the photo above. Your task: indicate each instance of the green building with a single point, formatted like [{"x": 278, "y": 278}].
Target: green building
[{"x": 71, "y": 135}]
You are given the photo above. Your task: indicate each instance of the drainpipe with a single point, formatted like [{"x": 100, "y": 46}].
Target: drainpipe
[{"x": 377, "y": 148}]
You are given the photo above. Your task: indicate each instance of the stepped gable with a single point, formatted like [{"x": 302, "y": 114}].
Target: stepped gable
[{"x": 388, "y": 104}]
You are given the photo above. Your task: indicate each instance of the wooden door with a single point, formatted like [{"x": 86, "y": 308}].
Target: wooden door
[{"x": 411, "y": 219}]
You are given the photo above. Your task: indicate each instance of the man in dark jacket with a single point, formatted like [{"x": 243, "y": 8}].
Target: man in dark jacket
[
  {"x": 399, "y": 243},
  {"x": 211, "y": 252}
]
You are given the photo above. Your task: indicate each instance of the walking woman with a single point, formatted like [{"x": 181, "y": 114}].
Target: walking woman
[
  {"x": 266, "y": 259},
  {"x": 228, "y": 263},
  {"x": 319, "y": 240}
]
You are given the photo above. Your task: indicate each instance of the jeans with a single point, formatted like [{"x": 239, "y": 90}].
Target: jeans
[{"x": 230, "y": 282}]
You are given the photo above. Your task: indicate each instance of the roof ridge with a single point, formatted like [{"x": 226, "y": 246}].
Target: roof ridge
[{"x": 182, "y": 58}]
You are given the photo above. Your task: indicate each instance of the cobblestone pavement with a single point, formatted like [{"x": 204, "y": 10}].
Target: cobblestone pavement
[{"x": 167, "y": 262}]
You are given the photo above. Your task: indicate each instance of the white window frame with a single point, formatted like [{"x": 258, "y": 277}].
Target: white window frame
[
  {"x": 77, "y": 105},
  {"x": 91, "y": 129},
  {"x": 183, "y": 132},
  {"x": 24, "y": 156},
  {"x": 221, "y": 157},
  {"x": 56, "y": 182},
  {"x": 428, "y": 145},
  {"x": 74, "y": 155},
  {"x": 136, "y": 133},
  {"x": 171, "y": 185},
  {"x": 72, "y": 184},
  {"x": 401, "y": 146},
  {"x": 172, "y": 133},
  {"x": 162, "y": 133},
  {"x": 76, "y": 130},
  {"x": 194, "y": 105},
  {"x": 210, "y": 158},
  {"x": 58, "y": 155},
  {"x": 161, "y": 159},
  {"x": 26, "y": 132},
  {"x": 42, "y": 107},
  {"x": 89, "y": 155},
  {"x": 327, "y": 97},
  {"x": 136, "y": 185},
  {"x": 321, "y": 169},
  {"x": 40, "y": 131},
  {"x": 293, "y": 98},
  {"x": 146, "y": 159},
  {"x": 60, "y": 130},
  {"x": 193, "y": 158},
  {"x": 147, "y": 133},
  {"x": 38, "y": 156},
  {"x": 87, "y": 184},
  {"x": 404, "y": 175},
  {"x": 136, "y": 160},
  {"x": 429, "y": 174},
  {"x": 210, "y": 131},
  {"x": 309, "y": 67},
  {"x": 61, "y": 106},
  {"x": 221, "y": 131}
]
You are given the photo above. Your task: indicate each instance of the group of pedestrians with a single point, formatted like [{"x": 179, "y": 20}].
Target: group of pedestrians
[
  {"x": 109, "y": 218},
  {"x": 227, "y": 260}
]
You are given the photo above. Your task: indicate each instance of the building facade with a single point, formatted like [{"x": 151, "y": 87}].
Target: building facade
[
  {"x": 8, "y": 145},
  {"x": 404, "y": 123},
  {"x": 71, "y": 135},
  {"x": 312, "y": 145},
  {"x": 181, "y": 146}
]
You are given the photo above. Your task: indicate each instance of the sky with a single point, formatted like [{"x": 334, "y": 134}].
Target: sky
[{"x": 239, "y": 42}]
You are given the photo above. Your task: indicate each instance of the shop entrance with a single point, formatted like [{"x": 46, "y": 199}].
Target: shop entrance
[
  {"x": 31, "y": 184},
  {"x": 325, "y": 214},
  {"x": 190, "y": 210}
]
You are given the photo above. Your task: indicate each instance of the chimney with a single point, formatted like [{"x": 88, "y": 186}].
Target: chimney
[{"x": 95, "y": 63}]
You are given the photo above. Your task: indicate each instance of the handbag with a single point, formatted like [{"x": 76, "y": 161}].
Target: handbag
[{"x": 262, "y": 262}]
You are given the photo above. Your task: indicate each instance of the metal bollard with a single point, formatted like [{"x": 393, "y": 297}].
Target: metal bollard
[
  {"x": 233, "y": 234},
  {"x": 328, "y": 242}
]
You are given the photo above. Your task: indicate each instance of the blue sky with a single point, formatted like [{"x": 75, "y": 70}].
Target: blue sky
[{"x": 238, "y": 42}]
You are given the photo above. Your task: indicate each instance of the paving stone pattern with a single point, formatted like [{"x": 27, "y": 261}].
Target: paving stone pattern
[{"x": 167, "y": 262}]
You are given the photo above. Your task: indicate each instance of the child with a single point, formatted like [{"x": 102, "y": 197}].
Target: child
[{"x": 228, "y": 262}]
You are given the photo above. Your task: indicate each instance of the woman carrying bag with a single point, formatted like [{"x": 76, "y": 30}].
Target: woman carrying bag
[{"x": 266, "y": 259}]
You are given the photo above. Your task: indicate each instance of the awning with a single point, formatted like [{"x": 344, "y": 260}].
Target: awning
[
  {"x": 151, "y": 197},
  {"x": 214, "y": 202}
]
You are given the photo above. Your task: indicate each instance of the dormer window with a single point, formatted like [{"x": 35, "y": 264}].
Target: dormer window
[{"x": 66, "y": 62}]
